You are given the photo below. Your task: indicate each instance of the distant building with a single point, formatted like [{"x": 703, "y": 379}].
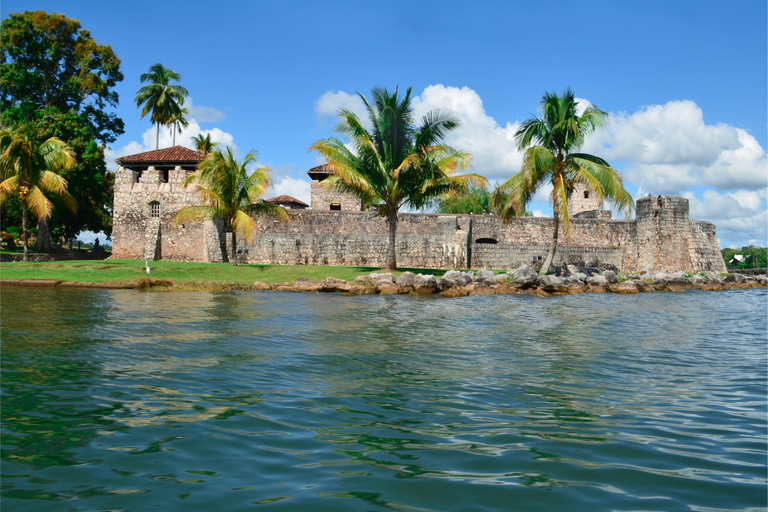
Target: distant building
[{"x": 290, "y": 203}]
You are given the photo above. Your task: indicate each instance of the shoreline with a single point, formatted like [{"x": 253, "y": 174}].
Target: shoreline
[{"x": 455, "y": 284}]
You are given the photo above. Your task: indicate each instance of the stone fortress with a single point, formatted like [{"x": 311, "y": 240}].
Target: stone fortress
[{"x": 335, "y": 230}]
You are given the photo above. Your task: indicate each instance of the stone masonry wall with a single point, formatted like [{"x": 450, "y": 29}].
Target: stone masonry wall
[
  {"x": 705, "y": 249},
  {"x": 360, "y": 239},
  {"x": 322, "y": 197},
  {"x": 137, "y": 235}
]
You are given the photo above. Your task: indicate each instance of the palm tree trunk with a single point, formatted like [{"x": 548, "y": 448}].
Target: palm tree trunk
[
  {"x": 43, "y": 243},
  {"x": 234, "y": 248},
  {"x": 552, "y": 247},
  {"x": 391, "y": 252},
  {"x": 25, "y": 257},
  {"x": 174, "y": 134},
  {"x": 157, "y": 137}
]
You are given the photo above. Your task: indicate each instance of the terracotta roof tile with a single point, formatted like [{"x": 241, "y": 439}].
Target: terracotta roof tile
[
  {"x": 176, "y": 154},
  {"x": 286, "y": 200}
]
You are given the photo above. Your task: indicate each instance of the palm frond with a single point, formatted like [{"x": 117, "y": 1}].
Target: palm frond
[{"x": 38, "y": 204}]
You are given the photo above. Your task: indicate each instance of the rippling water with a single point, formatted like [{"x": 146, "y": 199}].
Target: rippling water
[{"x": 131, "y": 401}]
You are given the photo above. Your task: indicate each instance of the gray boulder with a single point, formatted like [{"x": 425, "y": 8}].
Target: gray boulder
[
  {"x": 611, "y": 277},
  {"x": 485, "y": 277},
  {"x": 525, "y": 275},
  {"x": 455, "y": 278},
  {"x": 424, "y": 284},
  {"x": 597, "y": 280},
  {"x": 735, "y": 278},
  {"x": 406, "y": 279},
  {"x": 383, "y": 278}
]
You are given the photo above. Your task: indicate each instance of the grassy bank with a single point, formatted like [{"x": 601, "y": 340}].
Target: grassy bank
[{"x": 183, "y": 273}]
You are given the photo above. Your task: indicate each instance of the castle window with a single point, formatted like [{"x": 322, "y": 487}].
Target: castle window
[
  {"x": 586, "y": 194},
  {"x": 335, "y": 206},
  {"x": 154, "y": 209},
  {"x": 165, "y": 175},
  {"x": 486, "y": 241}
]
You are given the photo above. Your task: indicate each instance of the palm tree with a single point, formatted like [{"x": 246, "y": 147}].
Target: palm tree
[
  {"x": 160, "y": 97},
  {"x": 229, "y": 193},
  {"x": 178, "y": 121},
  {"x": 397, "y": 163},
  {"x": 30, "y": 170},
  {"x": 204, "y": 145},
  {"x": 550, "y": 144}
]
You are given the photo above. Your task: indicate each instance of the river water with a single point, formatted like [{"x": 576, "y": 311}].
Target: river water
[{"x": 132, "y": 401}]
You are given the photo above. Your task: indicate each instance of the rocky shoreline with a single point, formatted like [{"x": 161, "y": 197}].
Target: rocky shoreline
[
  {"x": 459, "y": 284},
  {"x": 522, "y": 280}
]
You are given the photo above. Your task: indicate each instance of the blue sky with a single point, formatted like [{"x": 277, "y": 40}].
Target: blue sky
[{"x": 684, "y": 81}]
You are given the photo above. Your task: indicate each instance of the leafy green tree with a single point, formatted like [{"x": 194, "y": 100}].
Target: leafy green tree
[
  {"x": 550, "y": 145},
  {"x": 29, "y": 171},
  {"x": 398, "y": 163},
  {"x": 163, "y": 99},
  {"x": 58, "y": 81},
  {"x": 203, "y": 144},
  {"x": 229, "y": 193},
  {"x": 752, "y": 257}
]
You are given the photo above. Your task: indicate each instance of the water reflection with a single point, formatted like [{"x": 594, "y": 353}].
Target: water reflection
[{"x": 327, "y": 402}]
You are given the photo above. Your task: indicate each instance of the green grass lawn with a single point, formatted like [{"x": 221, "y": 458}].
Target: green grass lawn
[{"x": 179, "y": 272}]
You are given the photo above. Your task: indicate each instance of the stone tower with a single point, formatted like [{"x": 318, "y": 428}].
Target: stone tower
[
  {"x": 583, "y": 200},
  {"x": 148, "y": 194},
  {"x": 325, "y": 199}
]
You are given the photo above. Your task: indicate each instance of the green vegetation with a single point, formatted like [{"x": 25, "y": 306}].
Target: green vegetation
[
  {"x": 474, "y": 199},
  {"x": 550, "y": 145},
  {"x": 180, "y": 273},
  {"x": 230, "y": 193},
  {"x": 29, "y": 171},
  {"x": 398, "y": 163},
  {"x": 161, "y": 98},
  {"x": 203, "y": 144},
  {"x": 58, "y": 81},
  {"x": 754, "y": 257}
]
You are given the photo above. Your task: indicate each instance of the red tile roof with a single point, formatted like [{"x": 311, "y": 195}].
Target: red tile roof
[
  {"x": 175, "y": 155},
  {"x": 286, "y": 200}
]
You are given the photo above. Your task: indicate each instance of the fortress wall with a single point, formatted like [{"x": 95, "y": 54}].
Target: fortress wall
[
  {"x": 593, "y": 242},
  {"x": 437, "y": 241},
  {"x": 705, "y": 249},
  {"x": 661, "y": 237},
  {"x": 359, "y": 239}
]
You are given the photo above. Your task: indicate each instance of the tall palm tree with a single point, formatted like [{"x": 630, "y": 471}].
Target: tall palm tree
[
  {"x": 551, "y": 144},
  {"x": 30, "y": 170},
  {"x": 398, "y": 163},
  {"x": 160, "y": 97},
  {"x": 178, "y": 121},
  {"x": 230, "y": 193},
  {"x": 203, "y": 144}
]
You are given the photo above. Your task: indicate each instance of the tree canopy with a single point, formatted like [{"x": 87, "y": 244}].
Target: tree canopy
[
  {"x": 29, "y": 170},
  {"x": 161, "y": 98},
  {"x": 59, "y": 82}
]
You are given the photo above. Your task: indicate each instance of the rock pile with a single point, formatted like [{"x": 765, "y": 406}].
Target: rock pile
[{"x": 522, "y": 280}]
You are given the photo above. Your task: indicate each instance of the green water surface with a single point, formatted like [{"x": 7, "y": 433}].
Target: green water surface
[{"x": 129, "y": 401}]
